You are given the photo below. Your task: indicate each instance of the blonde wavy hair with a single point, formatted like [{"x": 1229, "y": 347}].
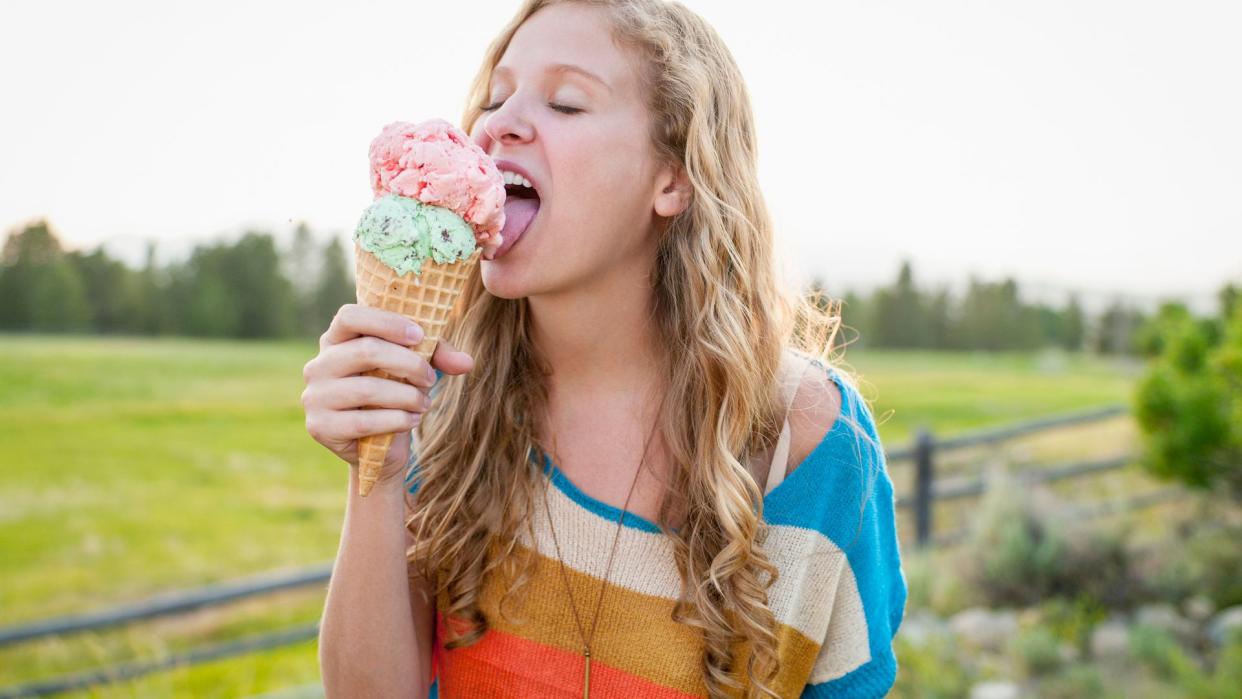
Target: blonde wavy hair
[{"x": 718, "y": 306}]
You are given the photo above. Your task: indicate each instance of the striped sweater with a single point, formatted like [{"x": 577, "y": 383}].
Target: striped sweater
[{"x": 838, "y": 601}]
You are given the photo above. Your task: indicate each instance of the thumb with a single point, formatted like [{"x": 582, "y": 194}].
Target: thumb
[{"x": 450, "y": 360}]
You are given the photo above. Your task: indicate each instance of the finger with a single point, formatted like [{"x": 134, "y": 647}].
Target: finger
[
  {"x": 354, "y": 392},
  {"x": 354, "y": 320},
  {"x": 366, "y": 353},
  {"x": 352, "y": 424},
  {"x": 451, "y": 360}
]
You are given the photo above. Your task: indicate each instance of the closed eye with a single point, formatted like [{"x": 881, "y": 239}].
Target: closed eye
[{"x": 558, "y": 107}]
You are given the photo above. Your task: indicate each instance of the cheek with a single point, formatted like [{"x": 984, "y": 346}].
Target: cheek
[{"x": 604, "y": 181}]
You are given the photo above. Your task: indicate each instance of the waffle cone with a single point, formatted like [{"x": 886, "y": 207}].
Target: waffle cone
[{"x": 426, "y": 299}]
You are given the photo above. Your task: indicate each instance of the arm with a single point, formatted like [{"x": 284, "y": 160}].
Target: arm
[
  {"x": 368, "y": 643},
  {"x": 375, "y": 636}
]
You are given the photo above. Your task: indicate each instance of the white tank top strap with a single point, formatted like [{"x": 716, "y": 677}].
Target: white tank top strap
[
  {"x": 776, "y": 472},
  {"x": 780, "y": 458}
]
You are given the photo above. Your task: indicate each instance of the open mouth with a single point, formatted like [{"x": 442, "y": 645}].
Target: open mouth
[{"x": 521, "y": 205}]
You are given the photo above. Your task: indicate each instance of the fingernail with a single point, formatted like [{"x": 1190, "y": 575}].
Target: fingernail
[{"x": 414, "y": 333}]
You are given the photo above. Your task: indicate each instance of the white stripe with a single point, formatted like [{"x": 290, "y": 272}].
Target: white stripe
[
  {"x": 802, "y": 597},
  {"x": 846, "y": 645}
]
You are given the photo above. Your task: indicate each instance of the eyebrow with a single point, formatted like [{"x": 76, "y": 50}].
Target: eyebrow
[{"x": 563, "y": 68}]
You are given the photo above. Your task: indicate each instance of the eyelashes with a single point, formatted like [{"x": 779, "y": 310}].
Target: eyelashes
[{"x": 558, "y": 107}]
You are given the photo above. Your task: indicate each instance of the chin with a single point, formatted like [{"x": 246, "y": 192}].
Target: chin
[{"x": 504, "y": 279}]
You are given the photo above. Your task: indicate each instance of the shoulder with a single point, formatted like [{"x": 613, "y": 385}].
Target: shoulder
[
  {"x": 836, "y": 465},
  {"x": 814, "y": 409}
]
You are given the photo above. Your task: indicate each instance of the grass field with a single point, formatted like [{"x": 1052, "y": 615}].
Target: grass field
[{"x": 130, "y": 467}]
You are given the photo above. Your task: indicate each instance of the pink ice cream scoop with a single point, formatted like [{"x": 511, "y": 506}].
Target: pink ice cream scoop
[{"x": 437, "y": 163}]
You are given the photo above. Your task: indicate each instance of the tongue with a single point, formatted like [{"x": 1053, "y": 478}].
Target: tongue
[{"x": 518, "y": 213}]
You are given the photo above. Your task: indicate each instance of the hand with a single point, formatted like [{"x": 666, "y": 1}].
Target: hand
[{"x": 360, "y": 339}]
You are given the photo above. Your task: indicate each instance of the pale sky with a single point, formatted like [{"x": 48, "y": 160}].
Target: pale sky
[{"x": 1084, "y": 145}]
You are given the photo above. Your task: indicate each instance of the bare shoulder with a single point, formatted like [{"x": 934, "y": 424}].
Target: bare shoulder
[{"x": 814, "y": 410}]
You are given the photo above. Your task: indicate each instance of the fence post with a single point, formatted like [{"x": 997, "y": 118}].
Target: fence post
[{"x": 923, "y": 476}]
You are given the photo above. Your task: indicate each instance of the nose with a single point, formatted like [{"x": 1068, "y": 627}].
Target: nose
[{"x": 506, "y": 125}]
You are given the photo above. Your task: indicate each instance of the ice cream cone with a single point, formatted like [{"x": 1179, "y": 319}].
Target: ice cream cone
[{"x": 426, "y": 298}]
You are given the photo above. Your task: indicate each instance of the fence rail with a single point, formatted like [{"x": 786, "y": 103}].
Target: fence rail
[
  {"x": 927, "y": 491},
  {"x": 133, "y": 669},
  {"x": 172, "y": 603}
]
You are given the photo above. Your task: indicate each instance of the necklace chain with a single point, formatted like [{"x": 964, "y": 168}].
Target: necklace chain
[{"x": 586, "y": 639}]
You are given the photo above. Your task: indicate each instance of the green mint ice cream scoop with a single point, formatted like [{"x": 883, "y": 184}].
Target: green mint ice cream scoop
[{"x": 402, "y": 233}]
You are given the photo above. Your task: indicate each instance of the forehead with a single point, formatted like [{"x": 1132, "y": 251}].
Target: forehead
[{"x": 568, "y": 34}]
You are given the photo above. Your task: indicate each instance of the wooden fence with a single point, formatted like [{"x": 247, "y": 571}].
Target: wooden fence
[{"x": 929, "y": 488}]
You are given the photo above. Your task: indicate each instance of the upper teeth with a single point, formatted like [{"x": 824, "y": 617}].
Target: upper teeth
[{"x": 514, "y": 178}]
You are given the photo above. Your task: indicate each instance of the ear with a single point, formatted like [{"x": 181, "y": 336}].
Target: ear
[{"x": 673, "y": 191}]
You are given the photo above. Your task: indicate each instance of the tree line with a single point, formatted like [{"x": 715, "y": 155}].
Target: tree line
[
  {"x": 992, "y": 316},
  {"x": 251, "y": 288},
  {"x": 246, "y": 288}
]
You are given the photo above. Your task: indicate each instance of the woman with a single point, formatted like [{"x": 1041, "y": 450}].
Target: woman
[{"x": 652, "y": 484}]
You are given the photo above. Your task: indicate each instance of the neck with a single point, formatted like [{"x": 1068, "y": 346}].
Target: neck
[{"x": 600, "y": 338}]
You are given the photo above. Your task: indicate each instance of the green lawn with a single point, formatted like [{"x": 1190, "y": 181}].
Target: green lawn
[
  {"x": 954, "y": 391},
  {"x": 130, "y": 467}
]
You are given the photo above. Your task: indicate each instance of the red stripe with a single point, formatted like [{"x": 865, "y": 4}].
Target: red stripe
[{"x": 504, "y": 665}]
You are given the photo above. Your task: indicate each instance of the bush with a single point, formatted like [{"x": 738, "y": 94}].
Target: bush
[
  {"x": 931, "y": 585},
  {"x": 1205, "y": 559},
  {"x": 1014, "y": 552},
  {"x": 1158, "y": 651},
  {"x": 1071, "y": 620},
  {"x": 1099, "y": 566},
  {"x": 1078, "y": 681},
  {"x": 1021, "y": 551},
  {"x": 931, "y": 671},
  {"x": 1037, "y": 650},
  {"x": 1189, "y": 405}
]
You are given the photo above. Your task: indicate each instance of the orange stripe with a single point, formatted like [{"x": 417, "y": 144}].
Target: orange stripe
[
  {"x": 502, "y": 664},
  {"x": 636, "y": 636}
]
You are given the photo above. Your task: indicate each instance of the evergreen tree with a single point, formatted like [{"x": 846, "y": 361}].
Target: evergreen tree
[
  {"x": 994, "y": 318},
  {"x": 41, "y": 289},
  {"x": 855, "y": 330},
  {"x": 1117, "y": 328},
  {"x": 112, "y": 290},
  {"x": 335, "y": 287},
  {"x": 302, "y": 268},
  {"x": 939, "y": 320},
  {"x": 154, "y": 299},
  {"x": 897, "y": 313},
  {"x": 1073, "y": 330},
  {"x": 264, "y": 296}
]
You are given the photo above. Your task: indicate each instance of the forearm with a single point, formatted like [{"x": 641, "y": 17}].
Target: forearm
[{"x": 367, "y": 642}]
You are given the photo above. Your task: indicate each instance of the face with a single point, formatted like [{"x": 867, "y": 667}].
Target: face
[{"x": 585, "y": 143}]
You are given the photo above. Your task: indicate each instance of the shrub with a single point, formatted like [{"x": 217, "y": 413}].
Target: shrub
[
  {"x": 1204, "y": 559},
  {"x": 1077, "y": 681},
  {"x": 1022, "y": 551},
  {"x": 931, "y": 671},
  {"x": 1037, "y": 651},
  {"x": 1014, "y": 552},
  {"x": 1189, "y": 405},
  {"x": 1072, "y": 619},
  {"x": 1158, "y": 650}
]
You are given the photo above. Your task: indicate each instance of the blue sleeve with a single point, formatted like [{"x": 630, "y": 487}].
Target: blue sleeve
[
  {"x": 411, "y": 469},
  {"x": 870, "y": 598}
]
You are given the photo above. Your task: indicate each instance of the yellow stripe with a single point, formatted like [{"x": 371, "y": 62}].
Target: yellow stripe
[
  {"x": 802, "y": 597},
  {"x": 636, "y": 633}
]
